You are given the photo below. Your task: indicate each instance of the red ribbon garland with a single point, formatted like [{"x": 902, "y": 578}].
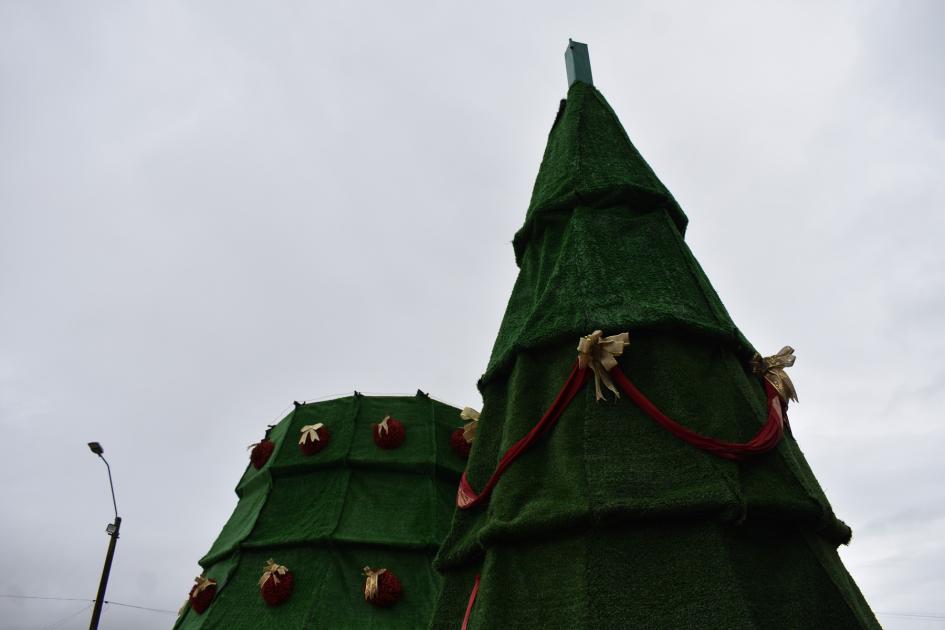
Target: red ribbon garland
[
  {"x": 472, "y": 600},
  {"x": 766, "y": 439},
  {"x": 467, "y": 497}
]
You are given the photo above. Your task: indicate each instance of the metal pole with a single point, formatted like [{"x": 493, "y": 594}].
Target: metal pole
[
  {"x": 103, "y": 584},
  {"x": 113, "y": 532}
]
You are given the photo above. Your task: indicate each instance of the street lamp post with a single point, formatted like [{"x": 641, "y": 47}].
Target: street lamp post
[{"x": 111, "y": 530}]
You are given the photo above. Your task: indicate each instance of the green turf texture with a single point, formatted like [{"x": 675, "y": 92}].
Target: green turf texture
[
  {"x": 328, "y": 515},
  {"x": 609, "y": 521}
]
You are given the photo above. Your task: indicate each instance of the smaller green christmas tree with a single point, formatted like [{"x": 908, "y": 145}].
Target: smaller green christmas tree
[{"x": 346, "y": 509}]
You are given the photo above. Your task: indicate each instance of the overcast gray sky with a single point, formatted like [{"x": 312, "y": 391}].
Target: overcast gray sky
[{"x": 209, "y": 209}]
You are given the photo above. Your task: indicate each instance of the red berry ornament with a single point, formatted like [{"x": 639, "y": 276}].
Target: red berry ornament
[
  {"x": 459, "y": 444},
  {"x": 202, "y": 594},
  {"x": 261, "y": 452},
  {"x": 314, "y": 438},
  {"x": 276, "y": 583},
  {"x": 389, "y": 433},
  {"x": 381, "y": 587}
]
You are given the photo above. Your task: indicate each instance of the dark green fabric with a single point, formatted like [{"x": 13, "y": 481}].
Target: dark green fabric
[
  {"x": 609, "y": 521},
  {"x": 589, "y": 160},
  {"x": 328, "y": 515},
  {"x": 328, "y": 591},
  {"x": 608, "y": 268},
  {"x": 659, "y": 575}
]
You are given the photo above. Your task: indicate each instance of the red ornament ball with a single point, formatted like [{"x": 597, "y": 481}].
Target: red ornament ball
[
  {"x": 201, "y": 601},
  {"x": 310, "y": 446},
  {"x": 393, "y": 437},
  {"x": 261, "y": 453},
  {"x": 275, "y": 594},
  {"x": 389, "y": 590},
  {"x": 459, "y": 444}
]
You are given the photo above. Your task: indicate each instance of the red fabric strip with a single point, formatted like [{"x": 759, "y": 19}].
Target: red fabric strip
[
  {"x": 466, "y": 497},
  {"x": 472, "y": 600},
  {"x": 766, "y": 439}
]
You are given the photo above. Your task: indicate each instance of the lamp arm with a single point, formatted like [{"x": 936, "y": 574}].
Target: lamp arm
[{"x": 112, "y": 486}]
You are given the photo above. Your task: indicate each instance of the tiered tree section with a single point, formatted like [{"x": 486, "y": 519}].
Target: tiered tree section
[{"x": 353, "y": 526}]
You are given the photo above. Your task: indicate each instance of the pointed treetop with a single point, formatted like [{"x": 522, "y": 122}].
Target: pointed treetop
[
  {"x": 578, "y": 63},
  {"x": 590, "y": 161}
]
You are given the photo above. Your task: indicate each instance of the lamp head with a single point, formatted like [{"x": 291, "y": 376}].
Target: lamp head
[{"x": 96, "y": 448}]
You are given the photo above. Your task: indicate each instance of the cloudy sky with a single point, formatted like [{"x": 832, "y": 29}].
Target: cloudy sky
[{"x": 210, "y": 209}]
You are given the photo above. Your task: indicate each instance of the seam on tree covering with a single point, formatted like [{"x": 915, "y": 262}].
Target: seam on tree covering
[
  {"x": 709, "y": 295},
  {"x": 747, "y": 611},
  {"x": 434, "y": 433},
  {"x": 586, "y": 608},
  {"x": 434, "y": 504},
  {"x": 310, "y": 621},
  {"x": 355, "y": 413}
]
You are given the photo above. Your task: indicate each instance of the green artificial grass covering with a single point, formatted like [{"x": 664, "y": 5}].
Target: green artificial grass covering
[
  {"x": 328, "y": 591},
  {"x": 328, "y": 515},
  {"x": 608, "y": 268},
  {"x": 658, "y": 575},
  {"x": 609, "y": 521},
  {"x": 589, "y": 160}
]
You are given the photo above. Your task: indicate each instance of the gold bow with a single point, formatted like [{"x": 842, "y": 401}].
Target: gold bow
[
  {"x": 382, "y": 427},
  {"x": 272, "y": 570},
  {"x": 772, "y": 370},
  {"x": 472, "y": 423},
  {"x": 310, "y": 432},
  {"x": 203, "y": 583},
  {"x": 599, "y": 353},
  {"x": 370, "y": 585}
]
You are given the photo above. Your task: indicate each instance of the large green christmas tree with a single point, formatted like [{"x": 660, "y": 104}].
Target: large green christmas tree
[
  {"x": 607, "y": 519},
  {"x": 327, "y": 514}
]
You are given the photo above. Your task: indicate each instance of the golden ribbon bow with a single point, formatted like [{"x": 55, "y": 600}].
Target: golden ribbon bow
[
  {"x": 599, "y": 353},
  {"x": 310, "y": 431},
  {"x": 772, "y": 370},
  {"x": 203, "y": 583},
  {"x": 272, "y": 570},
  {"x": 472, "y": 423},
  {"x": 370, "y": 585},
  {"x": 382, "y": 427}
]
